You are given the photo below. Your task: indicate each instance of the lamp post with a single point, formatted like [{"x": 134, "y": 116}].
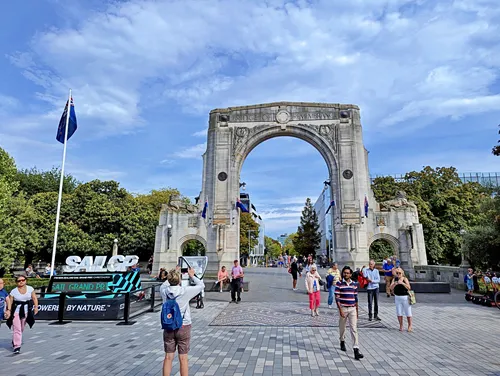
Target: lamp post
[
  {"x": 465, "y": 262},
  {"x": 169, "y": 234},
  {"x": 115, "y": 247},
  {"x": 249, "y": 231}
]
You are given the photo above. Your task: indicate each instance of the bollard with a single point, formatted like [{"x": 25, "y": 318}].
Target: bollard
[
  {"x": 60, "y": 311},
  {"x": 126, "y": 312},
  {"x": 152, "y": 309}
]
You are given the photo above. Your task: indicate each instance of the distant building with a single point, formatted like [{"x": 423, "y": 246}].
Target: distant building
[
  {"x": 282, "y": 238},
  {"x": 257, "y": 253},
  {"x": 324, "y": 214},
  {"x": 490, "y": 179}
]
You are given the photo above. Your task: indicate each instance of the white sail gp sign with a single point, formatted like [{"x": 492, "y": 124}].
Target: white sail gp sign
[{"x": 119, "y": 263}]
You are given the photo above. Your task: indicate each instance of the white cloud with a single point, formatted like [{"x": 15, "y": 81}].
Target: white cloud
[
  {"x": 202, "y": 133},
  {"x": 390, "y": 57},
  {"x": 192, "y": 151}
]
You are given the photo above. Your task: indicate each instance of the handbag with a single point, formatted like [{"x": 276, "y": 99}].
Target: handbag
[
  {"x": 411, "y": 297},
  {"x": 321, "y": 283}
]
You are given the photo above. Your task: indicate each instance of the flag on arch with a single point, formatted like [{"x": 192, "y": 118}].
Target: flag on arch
[
  {"x": 242, "y": 207},
  {"x": 205, "y": 208},
  {"x": 332, "y": 204},
  {"x": 366, "y": 207},
  {"x": 62, "y": 123}
]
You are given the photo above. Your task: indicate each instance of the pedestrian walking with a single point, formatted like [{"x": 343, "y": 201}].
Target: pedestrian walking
[
  {"x": 469, "y": 280},
  {"x": 313, "y": 289},
  {"x": 346, "y": 296},
  {"x": 4, "y": 295},
  {"x": 401, "y": 288},
  {"x": 333, "y": 276},
  {"x": 372, "y": 276},
  {"x": 179, "y": 339},
  {"x": 388, "y": 266},
  {"x": 22, "y": 306},
  {"x": 236, "y": 277},
  {"x": 294, "y": 271}
]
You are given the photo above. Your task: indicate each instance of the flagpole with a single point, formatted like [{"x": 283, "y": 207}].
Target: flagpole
[{"x": 59, "y": 198}]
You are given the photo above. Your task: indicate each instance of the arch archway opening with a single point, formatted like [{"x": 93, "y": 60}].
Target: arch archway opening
[
  {"x": 193, "y": 247},
  {"x": 280, "y": 172},
  {"x": 381, "y": 249}
]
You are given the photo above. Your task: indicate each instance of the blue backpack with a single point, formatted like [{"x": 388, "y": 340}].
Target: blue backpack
[{"x": 171, "y": 318}]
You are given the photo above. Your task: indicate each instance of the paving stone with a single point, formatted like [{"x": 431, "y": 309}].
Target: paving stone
[{"x": 449, "y": 339}]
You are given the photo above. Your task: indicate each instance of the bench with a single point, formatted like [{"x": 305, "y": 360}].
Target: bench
[{"x": 212, "y": 286}]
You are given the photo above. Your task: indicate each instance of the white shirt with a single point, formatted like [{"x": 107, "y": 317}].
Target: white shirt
[{"x": 22, "y": 297}]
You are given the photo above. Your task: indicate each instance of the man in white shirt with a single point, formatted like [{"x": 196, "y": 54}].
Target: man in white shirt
[{"x": 372, "y": 276}]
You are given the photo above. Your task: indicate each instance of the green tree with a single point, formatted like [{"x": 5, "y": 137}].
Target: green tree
[
  {"x": 248, "y": 224},
  {"x": 308, "y": 237},
  {"x": 157, "y": 197},
  {"x": 288, "y": 247},
  {"x": 482, "y": 242},
  {"x": 193, "y": 247},
  {"x": 33, "y": 181},
  {"x": 273, "y": 247},
  {"x": 16, "y": 230},
  {"x": 380, "y": 249},
  {"x": 445, "y": 206}
]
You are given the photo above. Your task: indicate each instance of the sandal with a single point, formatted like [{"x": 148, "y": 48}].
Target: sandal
[{"x": 410, "y": 330}]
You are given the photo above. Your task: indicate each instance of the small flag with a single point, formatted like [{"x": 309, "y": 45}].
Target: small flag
[
  {"x": 242, "y": 207},
  {"x": 204, "y": 212},
  {"x": 332, "y": 204},
  {"x": 366, "y": 207},
  {"x": 62, "y": 123}
]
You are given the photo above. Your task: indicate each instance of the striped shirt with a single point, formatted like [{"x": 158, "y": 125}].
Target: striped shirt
[{"x": 346, "y": 294}]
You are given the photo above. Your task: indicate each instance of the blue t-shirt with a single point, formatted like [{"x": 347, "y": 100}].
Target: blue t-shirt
[
  {"x": 388, "y": 269},
  {"x": 3, "y": 295}
]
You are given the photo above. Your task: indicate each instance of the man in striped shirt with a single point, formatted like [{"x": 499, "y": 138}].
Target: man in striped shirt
[{"x": 346, "y": 295}]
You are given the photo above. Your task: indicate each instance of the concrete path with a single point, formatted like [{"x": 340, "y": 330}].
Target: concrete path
[{"x": 270, "y": 333}]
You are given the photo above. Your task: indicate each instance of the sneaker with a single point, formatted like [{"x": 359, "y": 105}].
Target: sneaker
[
  {"x": 237, "y": 302},
  {"x": 330, "y": 306},
  {"x": 369, "y": 318},
  {"x": 377, "y": 318},
  {"x": 17, "y": 350},
  {"x": 232, "y": 301}
]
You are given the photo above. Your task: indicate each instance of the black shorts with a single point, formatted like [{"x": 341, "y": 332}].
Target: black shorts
[{"x": 294, "y": 275}]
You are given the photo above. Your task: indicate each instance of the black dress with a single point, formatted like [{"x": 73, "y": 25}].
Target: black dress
[{"x": 294, "y": 270}]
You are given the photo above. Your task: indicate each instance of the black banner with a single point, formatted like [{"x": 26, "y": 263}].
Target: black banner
[{"x": 82, "y": 309}]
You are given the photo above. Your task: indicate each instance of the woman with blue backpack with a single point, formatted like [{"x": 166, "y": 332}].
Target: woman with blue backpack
[{"x": 176, "y": 317}]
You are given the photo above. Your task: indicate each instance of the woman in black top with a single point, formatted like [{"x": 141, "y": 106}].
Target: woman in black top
[
  {"x": 400, "y": 287},
  {"x": 294, "y": 271}
]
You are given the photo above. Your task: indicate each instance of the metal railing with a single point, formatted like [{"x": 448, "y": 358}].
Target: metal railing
[
  {"x": 135, "y": 303},
  {"x": 489, "y": 179}
]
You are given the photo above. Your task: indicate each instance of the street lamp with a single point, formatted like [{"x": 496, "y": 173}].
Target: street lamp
[
  {"x": 169, "y": 234},
  {"x": 465, "y": 261},
  {"x": 243, "y": 186},
  {"x": 249, "y": 231}
]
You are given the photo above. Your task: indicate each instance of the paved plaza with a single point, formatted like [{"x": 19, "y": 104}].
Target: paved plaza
[{"x": 271, "y": 333}]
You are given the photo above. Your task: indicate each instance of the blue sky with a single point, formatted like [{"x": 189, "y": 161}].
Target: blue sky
[{"x": 146, "y": 73}]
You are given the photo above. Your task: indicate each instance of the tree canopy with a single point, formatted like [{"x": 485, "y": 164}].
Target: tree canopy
[
  {"x": 445, "y": 205},
  {"x": 248, "y": 227},
  {"x": 308, "y": 238},
  {"x": 93, "y": 214}
]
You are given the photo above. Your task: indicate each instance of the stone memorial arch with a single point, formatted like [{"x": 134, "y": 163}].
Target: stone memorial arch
[{"x": 335, "y": 131}]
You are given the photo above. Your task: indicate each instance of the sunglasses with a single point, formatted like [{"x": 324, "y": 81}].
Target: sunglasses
[{"x": 21, "y": 280}]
